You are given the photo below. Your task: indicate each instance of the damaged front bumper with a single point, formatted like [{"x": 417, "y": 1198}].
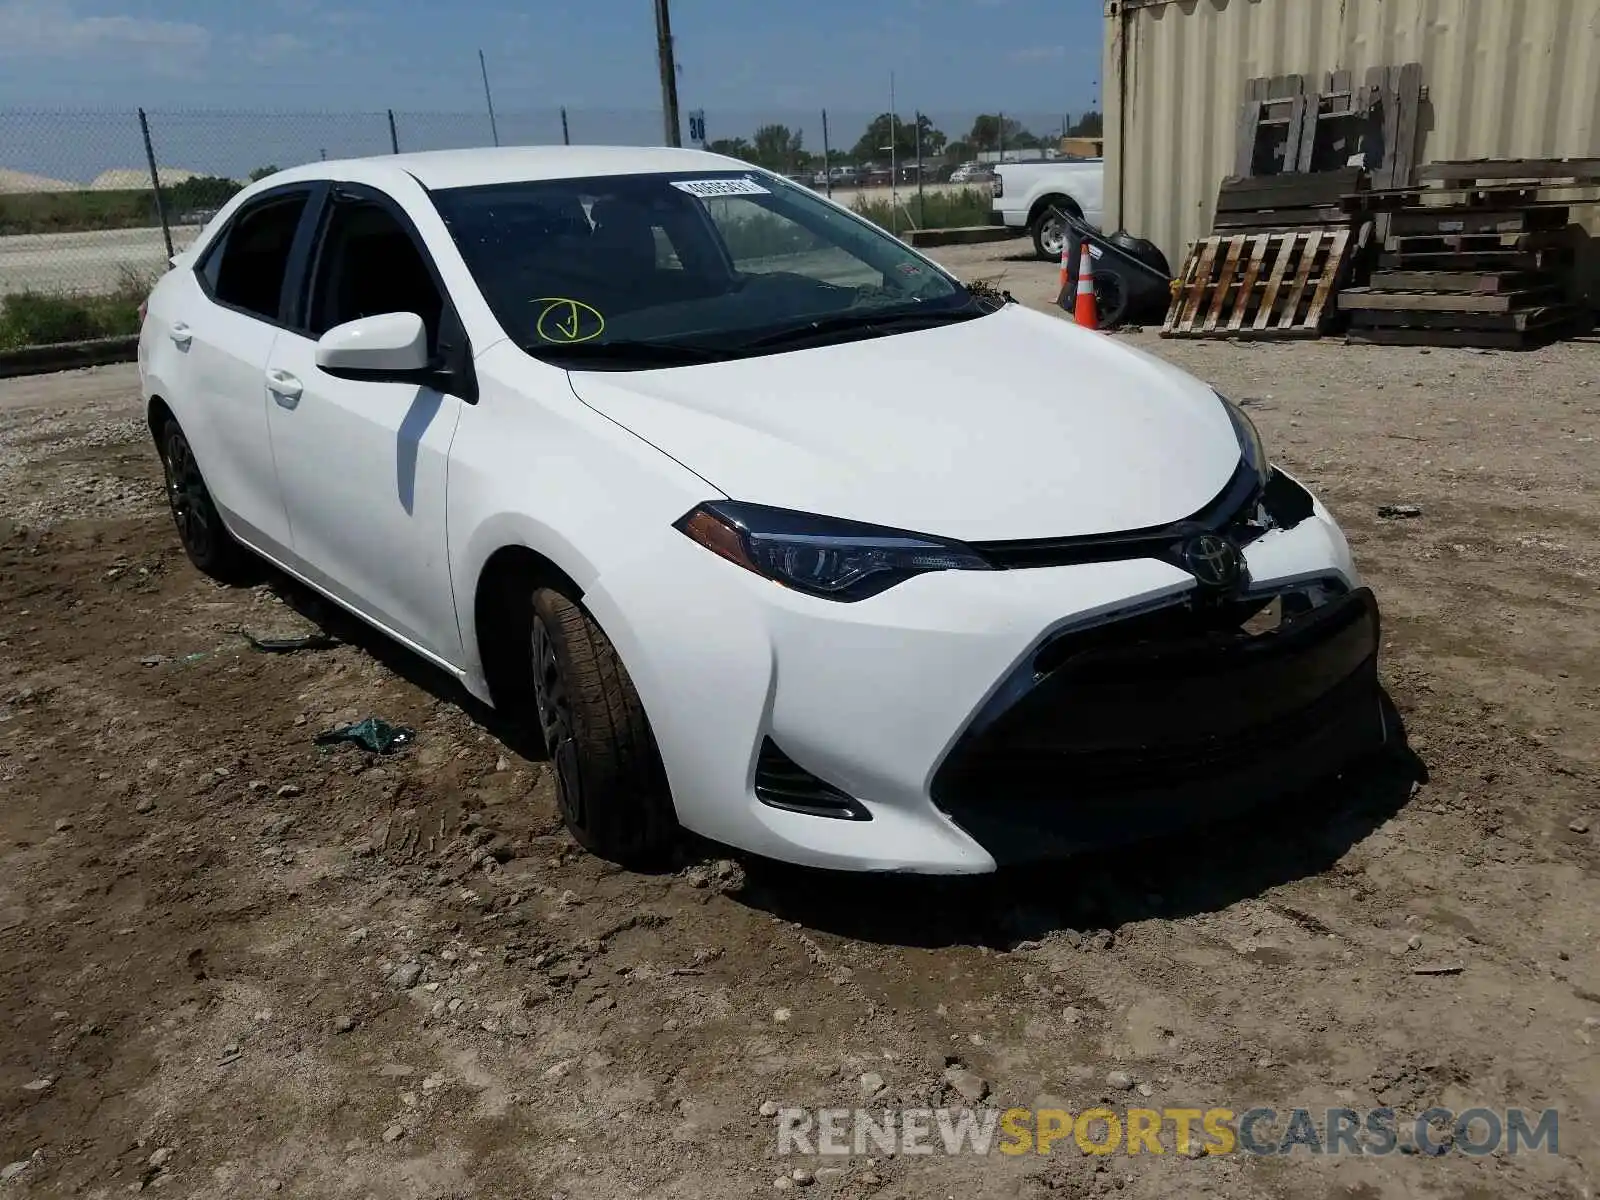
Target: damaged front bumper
[
  {"x": 1085, "y": 691},
  {"x": 1167, "y": 719}
]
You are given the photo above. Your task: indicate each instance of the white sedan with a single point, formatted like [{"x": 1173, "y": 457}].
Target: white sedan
[{"x": 769, "y": 526}]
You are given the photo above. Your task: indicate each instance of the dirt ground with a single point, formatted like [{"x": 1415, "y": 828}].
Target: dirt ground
[{"x": 207, "y": 922}]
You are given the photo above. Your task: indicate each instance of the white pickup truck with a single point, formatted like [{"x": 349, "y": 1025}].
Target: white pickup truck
[{"x": 1025, "y": 193}]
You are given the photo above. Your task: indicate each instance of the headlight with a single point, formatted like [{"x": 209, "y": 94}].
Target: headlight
[
  {"x": 1250, "y": 444},
  {"x": 821, "y": 556}
]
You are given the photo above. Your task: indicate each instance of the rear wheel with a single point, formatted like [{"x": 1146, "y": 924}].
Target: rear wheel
[
  {"x": 1049, "y": 231},
  {"x": 610, "y": 784},
  {"x": 208, "y": 544}
]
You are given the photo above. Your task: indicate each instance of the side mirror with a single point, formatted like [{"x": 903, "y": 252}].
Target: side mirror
[{"x": 390, "y": 346}]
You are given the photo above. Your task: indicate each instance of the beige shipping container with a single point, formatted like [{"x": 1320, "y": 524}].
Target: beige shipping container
[{"x": 1504, "y": 79}]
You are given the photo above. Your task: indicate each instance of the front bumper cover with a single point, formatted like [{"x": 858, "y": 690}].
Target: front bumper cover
[
  {"x": 1126, "y": 731},
  {"x": 877, "y": 699}
]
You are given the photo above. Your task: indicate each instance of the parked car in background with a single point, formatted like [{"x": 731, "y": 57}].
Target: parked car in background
[
  {"x": 974, "y": 174},
  {"x": 1026, "y": 193},
  {"x": 548, "y": 417}
]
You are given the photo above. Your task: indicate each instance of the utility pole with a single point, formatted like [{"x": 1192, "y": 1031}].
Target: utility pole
[
  {"x": 494, "y": 130},
  {"x": 827, "y": 170},
  {"x": 922, "y": 203},
  {"x": 894, "y": 175},
  {"x": 669, "y": 74}
]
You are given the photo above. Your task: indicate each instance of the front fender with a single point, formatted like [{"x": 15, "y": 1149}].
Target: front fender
[
  {"x": 495, "y": 532},
  {"x": 533, "y": 466}
]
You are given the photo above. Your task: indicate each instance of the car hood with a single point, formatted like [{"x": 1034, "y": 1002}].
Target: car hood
[{"x": 1015, "y": 425}]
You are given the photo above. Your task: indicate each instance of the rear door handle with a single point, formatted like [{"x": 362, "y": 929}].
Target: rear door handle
[
  {"x": 285, "y": 388},
  {"x": 180, "y": 334}
]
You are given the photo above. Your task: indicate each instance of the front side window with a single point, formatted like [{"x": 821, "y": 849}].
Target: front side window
[
  {"x": 369, "y": 265},
  {"x": 641, "y": 270},
  {"x": 246, "y": 270}
]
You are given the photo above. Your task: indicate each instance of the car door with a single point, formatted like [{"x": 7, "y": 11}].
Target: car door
[
  {"x": 362, "y": 464},
  {"x": 224, "y": 325}
]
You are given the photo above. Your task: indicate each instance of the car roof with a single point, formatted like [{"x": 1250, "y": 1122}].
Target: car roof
[{"x": 516, "y": 164}]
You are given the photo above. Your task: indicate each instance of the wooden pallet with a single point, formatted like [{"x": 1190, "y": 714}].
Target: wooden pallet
[
  {"x": 1286, "y": 125},
  {"x": 1453, "y": 303},
  {"x": 1282, "y": 202},
  {"x": 1477, "y": 260},
  {"x": 1498, "y": 199},
  {"x": 1461, "y": 172},
  {"x": 1262, "y": 220},
  {"x": 1576, "y": 324},
  {"x": 1516, "y": 321},
  {"x": 1460, "y": 243},
  {"x": 1412, "y": 222},
  {"x": 1477, "y": 255},
  {"x": 1258, "y": 286},
  {"x": 1485, "y": 282}
]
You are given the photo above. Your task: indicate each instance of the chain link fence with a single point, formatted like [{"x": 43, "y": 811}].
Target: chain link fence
[{"x": 93, "y": 203}]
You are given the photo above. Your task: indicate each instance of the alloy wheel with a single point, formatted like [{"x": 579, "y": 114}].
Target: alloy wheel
[
  {"x": 187, "y": 495},
  {"x": 555, "y": 723}
]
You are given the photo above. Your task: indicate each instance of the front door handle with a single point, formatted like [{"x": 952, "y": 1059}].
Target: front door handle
[
  {"x": 285, "y": 388},
  {"x": 180, "y": 334}
]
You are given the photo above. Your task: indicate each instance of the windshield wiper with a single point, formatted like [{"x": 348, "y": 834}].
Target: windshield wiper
[
  {"x": 628, "y": 353},
  {"x": 864, "y": 323}
]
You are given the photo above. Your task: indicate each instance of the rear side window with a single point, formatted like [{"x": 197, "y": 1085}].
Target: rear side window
[{"x": 246, "y": 269}]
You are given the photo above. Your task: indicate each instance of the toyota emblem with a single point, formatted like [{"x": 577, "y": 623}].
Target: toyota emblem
[{"x": 1212, "y": 560}]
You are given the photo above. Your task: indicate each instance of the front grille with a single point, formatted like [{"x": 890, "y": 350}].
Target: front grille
[
  {"x": 1164, "y": 699},
  {"x": 782, "y": 783},
  {"x": 1236, "y": 513},
  {"x": 1226, "y": 618},
  {"x": 1023, "y": 773}
]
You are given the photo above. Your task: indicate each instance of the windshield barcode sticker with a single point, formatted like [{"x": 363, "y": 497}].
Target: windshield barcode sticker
[{"x": 708, "y": 189}]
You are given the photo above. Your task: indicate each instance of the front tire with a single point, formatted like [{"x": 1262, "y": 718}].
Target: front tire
[
  {"x": 204, "y": 539},
  {"x": 610, "y": 784}
]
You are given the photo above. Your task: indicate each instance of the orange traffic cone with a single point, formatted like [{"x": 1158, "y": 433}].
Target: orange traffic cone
[
  {"x": 1085, "y": 314},
  {"x": 1066, "y": 271}
]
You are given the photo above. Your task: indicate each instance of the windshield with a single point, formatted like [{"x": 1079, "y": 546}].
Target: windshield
[{"x": 630, "y": 270}]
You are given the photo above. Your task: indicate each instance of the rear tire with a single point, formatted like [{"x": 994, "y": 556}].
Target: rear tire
[
  {"x": 1050, "y": 231},
  {"x": 204, "y": 539},
  {"x": 610, "y": 784}
]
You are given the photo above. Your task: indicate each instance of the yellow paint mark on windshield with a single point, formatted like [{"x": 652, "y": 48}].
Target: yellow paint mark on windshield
[{"x": 566, "y": 320}]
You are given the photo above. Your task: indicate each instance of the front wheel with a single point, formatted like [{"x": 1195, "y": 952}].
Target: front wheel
[{"x": 610, "y": 784}]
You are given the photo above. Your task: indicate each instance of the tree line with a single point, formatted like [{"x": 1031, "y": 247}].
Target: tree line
[
  {"x": 779, "y": 148},
  {"x": 776, "y": 147}
]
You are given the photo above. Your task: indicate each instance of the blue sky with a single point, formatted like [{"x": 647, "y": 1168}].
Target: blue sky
[
  {"x": 303, "y": 78},
  {"x": 1038, "y": 57}
]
